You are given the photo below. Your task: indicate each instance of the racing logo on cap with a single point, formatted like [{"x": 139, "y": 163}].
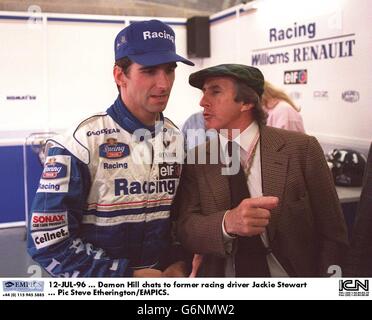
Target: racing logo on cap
[
  {"x": 113, "y": 149},
  {"x": 54, "y": 169}
]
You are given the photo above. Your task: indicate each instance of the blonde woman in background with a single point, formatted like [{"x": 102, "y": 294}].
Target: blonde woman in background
[{"x": 281, "y": 110}]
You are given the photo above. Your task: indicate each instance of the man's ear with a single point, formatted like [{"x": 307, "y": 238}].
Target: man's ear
[
  {"x": 119, "y": 76},
  {"x": 246, "y": 107}
]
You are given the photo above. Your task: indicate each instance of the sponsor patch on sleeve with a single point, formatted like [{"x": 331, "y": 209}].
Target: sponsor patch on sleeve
[
  {"x": 56, "y": 174},
  {"x": 44, "y": 239},
  {"x": 48, "y": 220}
]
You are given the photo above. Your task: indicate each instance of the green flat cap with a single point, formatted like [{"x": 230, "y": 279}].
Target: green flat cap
[{"x": 249, "y": 75}]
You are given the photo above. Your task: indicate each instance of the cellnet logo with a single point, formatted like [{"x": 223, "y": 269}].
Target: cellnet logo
[
  {"x": 23, "y": 286},
  {"x": 353, "y": 288}
]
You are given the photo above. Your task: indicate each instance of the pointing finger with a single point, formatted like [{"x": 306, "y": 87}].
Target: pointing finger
[{"x": 266, "y": 202}]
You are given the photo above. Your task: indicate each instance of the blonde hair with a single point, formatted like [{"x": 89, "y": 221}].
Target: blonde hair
[{"x": 271, "y": 92}]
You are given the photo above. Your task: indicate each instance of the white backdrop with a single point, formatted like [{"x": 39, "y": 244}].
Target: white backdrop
[
  {"x": 59, "y": 70},
  {"x": 244, "y": 35}
]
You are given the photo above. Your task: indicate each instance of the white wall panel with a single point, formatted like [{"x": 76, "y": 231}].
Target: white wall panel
[
  {"x": 22, "y": 101},
  {"x": 331, "y": 119},
  {"x": 67, "y": 63},
  {"x": 80, "y": 64},
  {"x": 183, "y": 100}
]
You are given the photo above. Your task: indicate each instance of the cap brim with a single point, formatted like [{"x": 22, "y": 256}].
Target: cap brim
[
  {"x": 251, "y": 76},
  {"x": 197, "y": 79},
  {"x": 156, "y": 58}
]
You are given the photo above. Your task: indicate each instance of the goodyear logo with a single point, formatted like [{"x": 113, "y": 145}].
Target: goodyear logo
[
  {"x": 102, "y": 131},
  {"x": 54, "y": 169},
  {"x": 113, "y": 149}
]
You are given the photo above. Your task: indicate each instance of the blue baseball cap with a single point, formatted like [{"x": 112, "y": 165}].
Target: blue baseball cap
[{"x": 148, "y": 43}]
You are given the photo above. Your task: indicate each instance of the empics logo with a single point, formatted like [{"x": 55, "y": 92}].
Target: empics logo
[
  {"x": 295, "y": 76},
  {"x": 23, "y": 286},
  {"x": 353, "y": 288}
]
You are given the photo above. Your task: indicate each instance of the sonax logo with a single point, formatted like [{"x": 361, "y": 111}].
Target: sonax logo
[{"x": 42, "y": 220}]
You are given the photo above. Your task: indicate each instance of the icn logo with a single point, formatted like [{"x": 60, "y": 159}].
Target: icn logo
[{"x": 353, "y": 288}]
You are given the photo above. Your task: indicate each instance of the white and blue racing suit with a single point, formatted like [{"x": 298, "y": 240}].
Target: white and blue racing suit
[{"x": 100, "y": 211}]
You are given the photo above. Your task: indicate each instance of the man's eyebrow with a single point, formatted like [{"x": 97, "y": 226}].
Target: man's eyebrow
[
  {"x": 148, "y": 67},
  {"x": 212, "y": 87},
  {"x": 170, "y": 65}
]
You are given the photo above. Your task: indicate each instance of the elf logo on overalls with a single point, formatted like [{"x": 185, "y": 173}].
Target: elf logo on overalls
[{"x": 169, "y": 171}]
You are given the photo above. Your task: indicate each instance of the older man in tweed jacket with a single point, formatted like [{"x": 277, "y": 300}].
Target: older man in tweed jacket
[{"x": 282, "y": 216}]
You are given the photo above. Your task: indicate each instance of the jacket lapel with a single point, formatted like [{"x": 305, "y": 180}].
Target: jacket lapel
[
  {"x": 274, "y": 166},
  {"x": 218, "y": 184}
]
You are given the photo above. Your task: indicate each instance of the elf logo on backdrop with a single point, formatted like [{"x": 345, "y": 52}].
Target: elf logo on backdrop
[
  {"x": 350, "y": 96},
  {"x": 295, "y": 76}
]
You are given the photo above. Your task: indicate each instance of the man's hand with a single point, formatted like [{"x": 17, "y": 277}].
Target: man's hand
[
  {"x": 250, "y": 217},
  {"x": 147, "y": 273},
  {"x": 196, "y": 262},
  {"x": 177, "y": 269}
]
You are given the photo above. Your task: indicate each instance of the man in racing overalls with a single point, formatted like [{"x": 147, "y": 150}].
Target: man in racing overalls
[{"x": 102, "y": 208}]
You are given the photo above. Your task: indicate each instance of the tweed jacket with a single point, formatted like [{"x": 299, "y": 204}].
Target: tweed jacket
[
  {"x": 307, "y": 231},
  {"x": 359, "y": 262}
]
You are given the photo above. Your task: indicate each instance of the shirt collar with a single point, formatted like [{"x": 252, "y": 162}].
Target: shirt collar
[
  {"x": 245, "y": 139},
  {"x": 120, "y": 113}
]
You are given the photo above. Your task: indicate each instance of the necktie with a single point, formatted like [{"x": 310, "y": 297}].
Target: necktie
[{"x": 250, "y": 258}]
